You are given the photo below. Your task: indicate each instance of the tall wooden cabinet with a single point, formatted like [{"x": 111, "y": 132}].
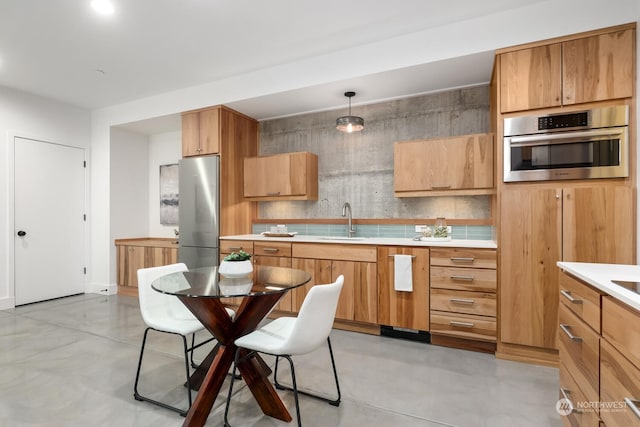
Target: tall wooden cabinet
[
  {"x": 540, "y": 226},
  {"x": 530, "y": 244},
  {"x": 575, "y": 71},
  {"x": 540, "y": 223},
  {"x": 233, "y": 136}
]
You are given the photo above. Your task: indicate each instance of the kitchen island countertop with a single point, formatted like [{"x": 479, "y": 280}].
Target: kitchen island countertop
[
  {"x": 377, "y": 241},
  {"x": 600, "y": 276}
]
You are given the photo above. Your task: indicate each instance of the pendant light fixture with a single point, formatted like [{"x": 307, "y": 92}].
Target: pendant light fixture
[{"x": 350, "y": 123}]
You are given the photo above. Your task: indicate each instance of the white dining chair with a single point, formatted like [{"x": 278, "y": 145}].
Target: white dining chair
[
  {"x": 292, "y": 336},
  {"x": 166, "y": 313}
]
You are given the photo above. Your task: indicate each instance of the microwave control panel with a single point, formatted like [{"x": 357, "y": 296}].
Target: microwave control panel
[{"x": 561, "y": 121}]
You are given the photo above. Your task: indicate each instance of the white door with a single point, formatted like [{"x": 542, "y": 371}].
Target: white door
[{"x": 49, "y": 220}]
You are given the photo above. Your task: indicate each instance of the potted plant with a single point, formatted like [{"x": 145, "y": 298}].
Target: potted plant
[{"x": 236, "y": 264}]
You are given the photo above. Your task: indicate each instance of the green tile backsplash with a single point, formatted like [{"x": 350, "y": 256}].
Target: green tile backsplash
[{"x": 464, "y": 232}]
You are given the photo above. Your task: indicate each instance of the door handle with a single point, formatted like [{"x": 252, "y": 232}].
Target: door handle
[{"x": 22, "y": 233}]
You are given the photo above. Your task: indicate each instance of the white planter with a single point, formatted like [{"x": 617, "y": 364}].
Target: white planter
[{"x": 233, "y": 269}]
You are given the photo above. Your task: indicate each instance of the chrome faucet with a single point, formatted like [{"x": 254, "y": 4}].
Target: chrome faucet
[{"x": 346, "y": 211}]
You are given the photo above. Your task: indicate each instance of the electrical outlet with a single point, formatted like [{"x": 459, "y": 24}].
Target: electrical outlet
[{"x": 420, "y": 228}]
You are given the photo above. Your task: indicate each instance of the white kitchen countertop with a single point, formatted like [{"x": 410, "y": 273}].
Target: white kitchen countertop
[
  {"x": 378, "y": 241},
  {"x": 600, "y": 276}
]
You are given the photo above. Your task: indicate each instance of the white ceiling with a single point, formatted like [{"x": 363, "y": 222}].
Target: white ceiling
[{"x": 53, "y": 48}]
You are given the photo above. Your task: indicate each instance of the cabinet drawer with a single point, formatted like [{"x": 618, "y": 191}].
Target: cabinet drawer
[
  {"x": 463, "y": 325},
  {"x": 580, "y": 353},
  {"x": 463, "y": 257},
  {"x": 619, "y": 380},
  {"x": 582, "y": 414},
  {"x": 272, "y": 248},
  {"x": 228, "y": 246},
  {"x": 479, "y": 303},
  {"x": 582, "y": 299},
  {"x": 465, "y": 279},
  {"x": 347, "y": 252},
  {"x": 621, "y": 326}
]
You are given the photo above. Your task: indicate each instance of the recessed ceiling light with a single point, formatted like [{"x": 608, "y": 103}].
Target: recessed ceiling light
[{"x": 104, "y": 7}]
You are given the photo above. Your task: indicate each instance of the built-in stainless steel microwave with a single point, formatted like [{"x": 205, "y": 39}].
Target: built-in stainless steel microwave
[{"x": 579, "y": 145}]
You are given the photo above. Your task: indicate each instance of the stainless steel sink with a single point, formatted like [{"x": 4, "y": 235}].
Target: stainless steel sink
[{"x": 341, "y": 238}]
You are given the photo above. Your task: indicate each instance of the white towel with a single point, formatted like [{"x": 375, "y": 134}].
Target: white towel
[{"x": 402, "y": 274}]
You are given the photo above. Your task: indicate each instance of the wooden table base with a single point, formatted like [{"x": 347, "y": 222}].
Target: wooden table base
[{"x": 211, "y": 373}]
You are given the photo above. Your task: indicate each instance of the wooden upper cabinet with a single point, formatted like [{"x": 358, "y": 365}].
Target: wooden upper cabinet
[
  {"x": 457, "y": 165},
  {"x": 290, "y": 176},
  {"x": 598, "y": 68},
  {"x": 201, "y": 132},
  {"x": 587, "y": 69},
  {"x": 531, "y": 78}
]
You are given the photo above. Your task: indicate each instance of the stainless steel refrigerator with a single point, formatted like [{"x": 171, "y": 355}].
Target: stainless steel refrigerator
[{"x": 199, "y": 212}]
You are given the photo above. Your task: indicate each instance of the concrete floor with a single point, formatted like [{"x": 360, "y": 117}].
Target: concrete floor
[{"x": 72, "y": 362}]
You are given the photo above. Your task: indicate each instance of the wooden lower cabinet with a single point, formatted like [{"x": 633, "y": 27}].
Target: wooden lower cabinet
[
  {"x": 620, "y": 380},
  {"x": 133, "y": 254},
  {"x": 599, "y": 373},
  {"x": 358, "y": 300},
  {"x": 130, "y": 259},
  {"x": 228, "y": 246},
  {"x": 578, "y": 417},
  {"x": 325, "y": 262},
  {"x": 285, "y": 303},
  {"x": 275, "y": 254},
  {"x": 580, "y": 352},
  {"x": 398, "y": 308},
  {"x": 463, "y": 285}
]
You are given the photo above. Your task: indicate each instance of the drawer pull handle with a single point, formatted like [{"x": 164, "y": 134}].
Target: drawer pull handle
[
  {"x": 275, "y": 193},
  {"x": 235, "y": 248},
  {"x": 565, "y": 396},
  {"x": 571, "y": 299},
  {"x": 565, "y": 329},
  {"x": 633, "y": 405},
  {"x": 465, "y": 278},
  {"x": 440, "y": 187},
  {"x": 462, "y": 259},
  {"x": 462, "y": 324},
  {"x": 462, "y": 301},
  {"x": 270, "y": 250},
  {"x": 391, "y": 256}
]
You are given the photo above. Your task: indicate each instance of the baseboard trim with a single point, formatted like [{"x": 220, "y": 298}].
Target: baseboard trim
[
  {"x": 463, "y": 344},
  {"x": 7, "y": 303},
  {"x": 534, "y": 355}
]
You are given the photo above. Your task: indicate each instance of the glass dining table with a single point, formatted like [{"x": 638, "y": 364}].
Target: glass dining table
[{"x": 204, "y": 291}]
